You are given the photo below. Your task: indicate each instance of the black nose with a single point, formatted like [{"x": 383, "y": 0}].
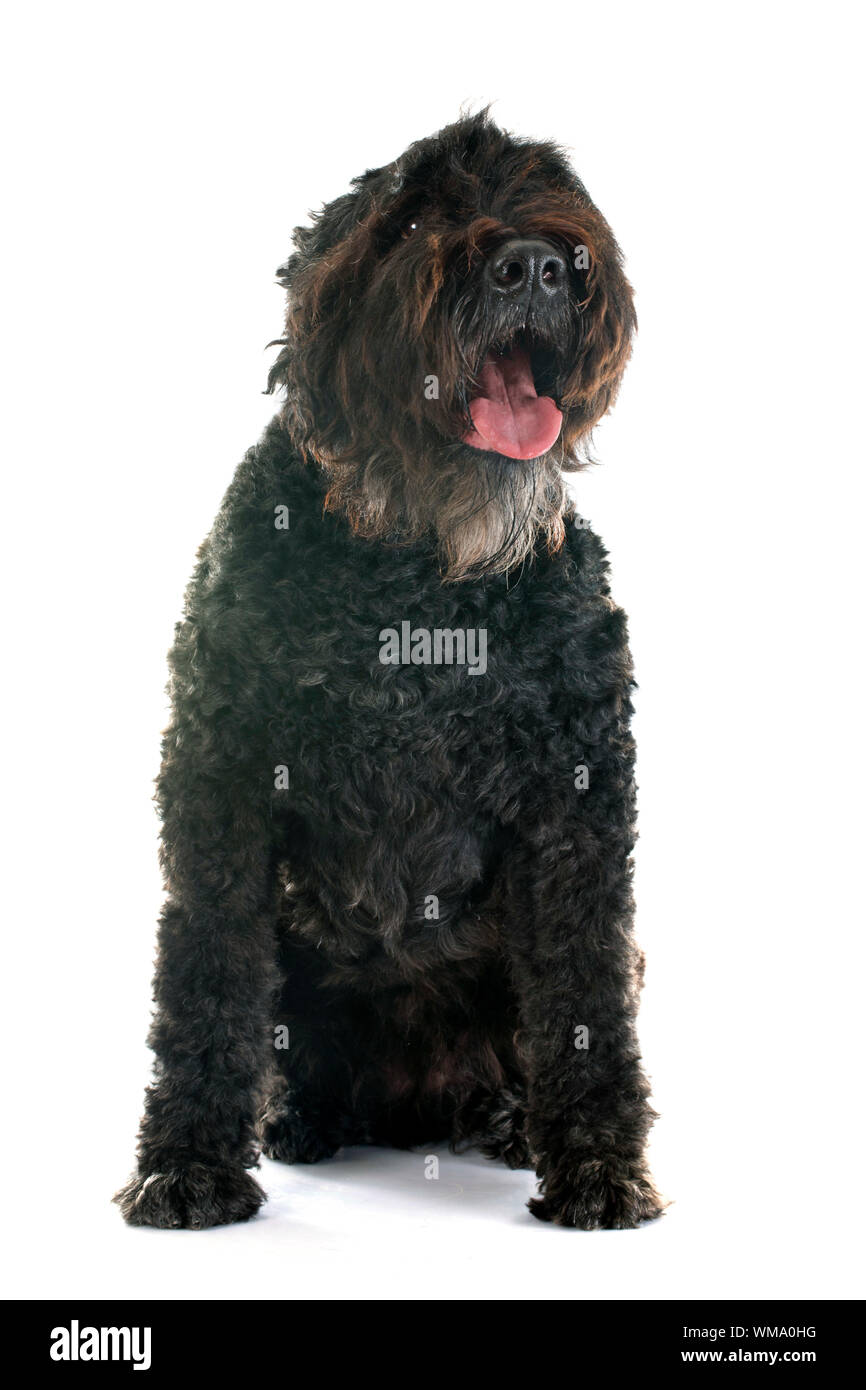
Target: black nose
[{"x": 524, "y": 270}]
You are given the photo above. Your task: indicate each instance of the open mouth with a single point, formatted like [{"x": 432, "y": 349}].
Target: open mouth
[{"x": 511, "y": 415}]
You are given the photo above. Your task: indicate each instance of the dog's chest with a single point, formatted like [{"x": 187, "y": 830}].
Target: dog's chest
[
  {"x": 404, "y": 729},
  {"x": 407, "y": 704}
]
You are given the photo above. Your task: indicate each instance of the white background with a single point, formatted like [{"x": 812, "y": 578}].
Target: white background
[{"x": 156, "y": 158}]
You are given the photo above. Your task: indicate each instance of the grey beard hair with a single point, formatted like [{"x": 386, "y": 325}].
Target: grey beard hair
[{"x": 488, "y": 514}]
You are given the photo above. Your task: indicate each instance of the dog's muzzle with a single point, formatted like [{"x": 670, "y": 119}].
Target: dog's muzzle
[{"x": 525, "y": 283}]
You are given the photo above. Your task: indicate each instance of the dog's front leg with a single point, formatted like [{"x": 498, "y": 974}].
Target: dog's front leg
[
  {"x": 576, "y": 971},
  {"x": 213, "y": 985}
]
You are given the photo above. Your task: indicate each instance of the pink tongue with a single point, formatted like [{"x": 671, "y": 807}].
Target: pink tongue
[{"x": 509, "y": 417}]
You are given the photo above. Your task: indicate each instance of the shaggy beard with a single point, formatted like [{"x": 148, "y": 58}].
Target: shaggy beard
[{"x": 487, "y": 514}]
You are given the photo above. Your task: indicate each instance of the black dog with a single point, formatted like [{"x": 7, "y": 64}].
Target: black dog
[{"x": 397, "y": 790}]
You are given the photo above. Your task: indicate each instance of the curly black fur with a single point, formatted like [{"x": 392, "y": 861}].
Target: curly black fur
[{"x": 392, "y": 869}]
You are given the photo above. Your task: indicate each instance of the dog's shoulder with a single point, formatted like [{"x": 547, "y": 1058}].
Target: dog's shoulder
[
  {"x": 273, "y": 491},
  {"x": 575, "y": 578},
  {"x": 253, "y": 569},
  {"x": 586, "y": 560},
  {"x": 592, "y": 630},
  {"x": 269, "y": 519}
]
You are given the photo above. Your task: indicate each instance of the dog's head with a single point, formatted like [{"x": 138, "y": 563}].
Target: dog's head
[{"x": 456, "y": 325}]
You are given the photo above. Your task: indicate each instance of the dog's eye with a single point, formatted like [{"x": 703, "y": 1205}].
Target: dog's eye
[{"x": 411, "y": 226}]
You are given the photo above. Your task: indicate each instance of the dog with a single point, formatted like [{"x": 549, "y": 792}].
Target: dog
[{"x": 397, "y": 789}]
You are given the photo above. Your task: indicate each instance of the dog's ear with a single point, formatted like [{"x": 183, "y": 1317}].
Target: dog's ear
[
  {"x": 607, "y": 315},
  {"x": 608, "y": 324}
]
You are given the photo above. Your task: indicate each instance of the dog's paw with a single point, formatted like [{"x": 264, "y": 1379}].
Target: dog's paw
[
  {"x": 504, "y": 1138},
  {"x": 289, "y": 1137},
  {"x": 514, "y": 1154},
  {"x": 193, "y": 1197},
  {"x": 597, "y": 1194}
]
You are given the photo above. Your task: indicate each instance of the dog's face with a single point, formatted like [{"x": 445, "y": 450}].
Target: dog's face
[{"x": 456, "y": 326}]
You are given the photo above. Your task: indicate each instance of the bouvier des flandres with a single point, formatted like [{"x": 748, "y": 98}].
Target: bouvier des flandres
[{"x": 397, "y": 788}]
